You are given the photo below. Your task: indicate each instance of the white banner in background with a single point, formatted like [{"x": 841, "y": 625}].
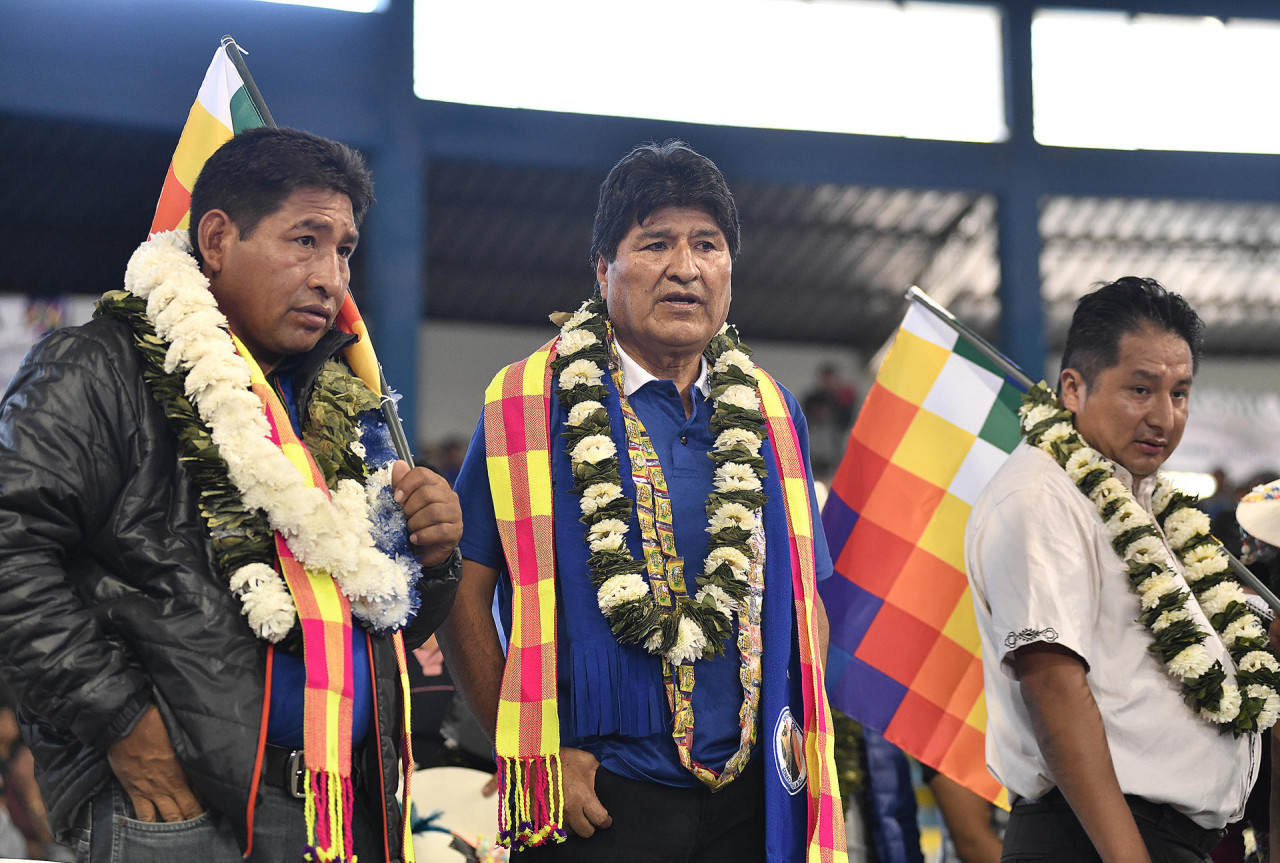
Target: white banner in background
[{"x": 1233, "y": 429}]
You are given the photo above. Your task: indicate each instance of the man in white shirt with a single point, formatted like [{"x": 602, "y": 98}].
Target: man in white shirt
[{"x": 1085, "y": 727}]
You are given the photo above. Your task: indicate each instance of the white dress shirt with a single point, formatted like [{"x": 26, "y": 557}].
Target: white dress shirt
[{"x": 1041, "y": 567}]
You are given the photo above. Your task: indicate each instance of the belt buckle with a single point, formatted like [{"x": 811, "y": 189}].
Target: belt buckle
[{"x": 296, "y": 777}]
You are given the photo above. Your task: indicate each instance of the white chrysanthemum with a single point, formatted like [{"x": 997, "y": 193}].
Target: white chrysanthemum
[
  {"x": 741, "y": 396},
  {"x": 267, "y": 604},
  {"x": 718, "y": 597},
  {"x": 592, "y": 449},
  {"x": 732, "y": 476},
  {"x": 577, "y": 319},
  {"x": 1147, "y": 549},
  {"x": 733, "y": 357},
  {"x": 1126, "y": 517},
  {"x": 1256, "y": 660},
  {"x": 599, "y": 494},
  {"x": 1182, "y": 525},
  {"x": 607, "y": 535},
  {"x": 581, "y": 373},
  {"x": 359, "y": 449},
  {"x": 575, "y": 340},
  {"x": 1169, "y": 617},
  {"x": 1107, "y": 489},
  {"x": 1155, "y": 586},
  {"x": 737, "y": 561},
  {"x": 1032, "y": 417},
  {"x": 1190, "y": 662},
  {"x": 732, "y": 515},
  {"x": 653, "y": 643},
  {"x": 732, "y": 437},
  {"x": 1218, "y": 597},
  {"x": 1161, "y": 496},
  {"x": 1228, "y": 706},
  {"x": 690, "y": 643},
  {"x": 1080, "y": 461},
  {"x": 578, "y": 413},
  {"x": 1204, "y": 560},
  {"x": 1246, "y": 627},
  {"x": 1057, "y": 432},
  {"x": 616, "y": 590}
]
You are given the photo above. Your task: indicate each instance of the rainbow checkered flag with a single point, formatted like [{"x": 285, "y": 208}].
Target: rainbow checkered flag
[{"x": 905, "y": 657}]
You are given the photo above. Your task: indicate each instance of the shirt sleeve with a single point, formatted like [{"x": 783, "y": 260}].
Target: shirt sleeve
[
  {"x": 1033, "y": 559},
  {"x": 480, "y": 540}
]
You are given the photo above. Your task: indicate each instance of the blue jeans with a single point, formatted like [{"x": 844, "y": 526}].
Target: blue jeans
[{"x": 108, "y": 832}]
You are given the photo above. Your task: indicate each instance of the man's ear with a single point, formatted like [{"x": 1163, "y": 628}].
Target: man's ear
[
  {"x": 1072, "y": 390},
  {"x": 602, "y": 276},
  {"x": 214, "y": 232}
]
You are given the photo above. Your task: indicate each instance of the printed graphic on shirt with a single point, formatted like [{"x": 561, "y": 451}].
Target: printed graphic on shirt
[
  {"x": 788, "y": 751},
  {"x": 1048, "y": 634}
]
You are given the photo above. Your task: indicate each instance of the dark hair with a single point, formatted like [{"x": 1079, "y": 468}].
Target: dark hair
[
  {"x": 653, "y": 176},
  {"x": 251, "y": 175},
  {"x": 1126, "y": 306}
]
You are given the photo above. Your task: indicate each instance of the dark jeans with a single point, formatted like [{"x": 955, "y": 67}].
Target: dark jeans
[
  {"x": 1047, "y": 831},
  {"x": 661, "y": 824},
  {"x": 109, "y": 833}
]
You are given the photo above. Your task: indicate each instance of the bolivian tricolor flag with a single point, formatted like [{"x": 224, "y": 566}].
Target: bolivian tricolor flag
[{"x": 223, "y": 108}]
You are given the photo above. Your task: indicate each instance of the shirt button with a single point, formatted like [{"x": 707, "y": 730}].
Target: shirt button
[{"x": 684, "y": 439}]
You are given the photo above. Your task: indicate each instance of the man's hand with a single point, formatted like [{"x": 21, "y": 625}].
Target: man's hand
[
  {"x": 582, "y": 808},
  {"x": 146, "y": 766},
  {"x": 432, "y": 510}
]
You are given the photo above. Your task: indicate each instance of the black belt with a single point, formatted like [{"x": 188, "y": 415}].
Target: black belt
[
  {"x": 284, "y": 768},
  {"x": 1161, "y": 815}
]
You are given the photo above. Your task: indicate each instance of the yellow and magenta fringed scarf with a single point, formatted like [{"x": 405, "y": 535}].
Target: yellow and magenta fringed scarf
[
  {"x": 517, "y": 440},
  {"x": 324, "y": 615}
]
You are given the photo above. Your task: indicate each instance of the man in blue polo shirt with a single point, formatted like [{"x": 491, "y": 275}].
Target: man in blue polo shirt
[{"x": 663, "y": 463}]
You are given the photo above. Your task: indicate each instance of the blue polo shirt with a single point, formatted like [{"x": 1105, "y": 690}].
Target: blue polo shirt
[
  {"x": 289, "y": 674},
  {"x": 612, "y": 702}
]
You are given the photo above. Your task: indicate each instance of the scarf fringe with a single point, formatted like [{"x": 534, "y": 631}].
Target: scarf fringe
[
  {"x": 531, "y": 804},
  {"x": 329, "y": 818}
]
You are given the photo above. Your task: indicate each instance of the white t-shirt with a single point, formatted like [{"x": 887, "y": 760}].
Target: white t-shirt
[{"x": 1042, "y": 569}]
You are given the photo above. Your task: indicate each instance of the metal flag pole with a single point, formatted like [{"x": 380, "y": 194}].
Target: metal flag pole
[
  {"x": 389, "y": 412},
  {"x": 914, "y": 294}
]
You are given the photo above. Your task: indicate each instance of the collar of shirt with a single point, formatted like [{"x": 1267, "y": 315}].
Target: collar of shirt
[
  {"x": 634, "y": 376},
  {"x": 1142, "y": 489}
]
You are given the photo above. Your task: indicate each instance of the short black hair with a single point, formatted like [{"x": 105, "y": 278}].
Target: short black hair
[
  {"x": 653, "y": 176},
  {"x": 1126, "y": 306},
  {"x": 250, "y": 176}
]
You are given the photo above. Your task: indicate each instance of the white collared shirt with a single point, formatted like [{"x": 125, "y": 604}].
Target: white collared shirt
[
  {"x": 635, "y": 376},
  {"x": 1041, "y": 568}
]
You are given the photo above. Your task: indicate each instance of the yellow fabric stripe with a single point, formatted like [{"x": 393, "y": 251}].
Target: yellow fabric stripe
[
  {"x": 504, "y": 498},
  {"x": 203, "y": 134}
]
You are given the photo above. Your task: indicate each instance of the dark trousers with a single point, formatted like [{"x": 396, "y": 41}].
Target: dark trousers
[
  {"x": 661, "y": 824},
  {"x": 1047, "y": 831}
]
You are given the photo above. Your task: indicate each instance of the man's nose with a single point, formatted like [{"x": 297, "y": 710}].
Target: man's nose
[
  {"x": 682, "y": 266},
  {"x": 330, "y": 274},
  {"x": 1160, "y": 416}
]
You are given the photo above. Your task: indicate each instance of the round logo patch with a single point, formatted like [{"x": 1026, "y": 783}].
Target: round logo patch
[{"x": 788, "y": 751}]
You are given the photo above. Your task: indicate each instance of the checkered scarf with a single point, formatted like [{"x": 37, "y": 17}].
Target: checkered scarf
[{"x": 517, "y": 444}]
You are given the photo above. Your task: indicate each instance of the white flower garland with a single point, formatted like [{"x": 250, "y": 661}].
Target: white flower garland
[
  {"x": 329, "y": 533},
  {"x": 1248, "y": 703},
  {"x": 697, "y": 626}
]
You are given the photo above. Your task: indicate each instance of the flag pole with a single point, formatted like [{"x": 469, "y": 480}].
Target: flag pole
[
  {"x": 234, "y": 52},
  {"x": 389, "y": 412},
  {"x": 914, "y": 294}
]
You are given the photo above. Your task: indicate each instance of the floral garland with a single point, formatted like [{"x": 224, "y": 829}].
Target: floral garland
[
  {"x": 1250, "y": 702},
  {"x": 248, "y": 488},
  {"x": 698, "y": 626}
]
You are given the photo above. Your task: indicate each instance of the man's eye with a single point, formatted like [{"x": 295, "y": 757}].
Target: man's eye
[
  {"x": 307, "y": 241},
  {"x": 346, "y": 251}
]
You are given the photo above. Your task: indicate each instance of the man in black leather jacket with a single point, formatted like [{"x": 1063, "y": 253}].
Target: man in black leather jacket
[{"x": 163, "y": 682}]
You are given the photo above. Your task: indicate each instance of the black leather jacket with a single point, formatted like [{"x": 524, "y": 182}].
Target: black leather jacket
[{"x": 109, "y": 599}]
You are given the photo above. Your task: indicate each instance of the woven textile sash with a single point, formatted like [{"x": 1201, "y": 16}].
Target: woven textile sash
[
  {"x": 518, "y": 457},
  {"x": 517, "y": 448},
  {"x": 826, "y": 815},
  {"x": 324, "y": 615}
]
